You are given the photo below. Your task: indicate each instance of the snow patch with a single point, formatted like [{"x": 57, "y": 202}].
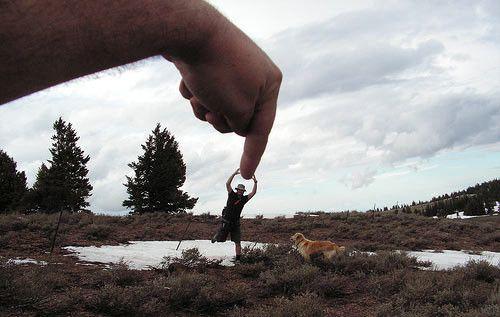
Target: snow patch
[
  {"x": 141, "y": 255},
  {"x": 267, "y": 215},
  {"x": 462, "y": 216},
  {"x": 18, "y": 261},
  {"x": 448, "y": 259}
]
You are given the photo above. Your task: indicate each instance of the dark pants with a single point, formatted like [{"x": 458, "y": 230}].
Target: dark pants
[{"x": 227, "y": 228}]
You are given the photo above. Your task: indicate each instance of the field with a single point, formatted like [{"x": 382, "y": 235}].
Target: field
[{"x": 270, "y": 282}]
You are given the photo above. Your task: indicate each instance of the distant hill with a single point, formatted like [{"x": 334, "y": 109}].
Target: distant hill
[{"x": 479, "y": 199}]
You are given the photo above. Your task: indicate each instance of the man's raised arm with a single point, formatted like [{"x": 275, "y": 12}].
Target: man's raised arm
[
  {"x": 254, "y": 189},
  {"x": 230, "y": 180},
  {"x": 229, "y": 81}
]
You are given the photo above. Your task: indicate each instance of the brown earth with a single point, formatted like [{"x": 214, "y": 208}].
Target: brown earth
[{"x": 277, "y": 283}]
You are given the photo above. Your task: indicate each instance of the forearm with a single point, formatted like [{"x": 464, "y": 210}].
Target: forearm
[
  {"x": 47, "y": 42},
  {"x": 254, "y": 189},
  {"x": 230, "y": 180}
]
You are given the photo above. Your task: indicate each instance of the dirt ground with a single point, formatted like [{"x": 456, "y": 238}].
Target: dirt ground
[
  {"x": 31, "y": 234},
  {"x": 275, "y": 283}
]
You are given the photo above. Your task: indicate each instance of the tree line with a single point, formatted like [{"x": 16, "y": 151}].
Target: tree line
[
  {"x": 476, "y": 200},
  {"x": 62, "y": 184}
]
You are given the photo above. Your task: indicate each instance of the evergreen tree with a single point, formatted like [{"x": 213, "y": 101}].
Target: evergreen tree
[
  {"x": 159, "y": 173},
  {"x": 474, "y": 207},
  {"x": 12, "y": 184},
  {"x": 430, "y": 210},
  {"x": 42, "y": 196},
  {"x": 64, "y": 184}
]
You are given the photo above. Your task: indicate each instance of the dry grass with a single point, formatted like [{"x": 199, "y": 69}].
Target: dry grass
[{"x": 274, "y": 281}]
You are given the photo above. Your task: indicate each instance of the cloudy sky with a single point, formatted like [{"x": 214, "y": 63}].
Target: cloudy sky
[{"x": 382, "y": 102}]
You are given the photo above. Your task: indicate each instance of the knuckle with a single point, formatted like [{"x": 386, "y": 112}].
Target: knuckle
[
  {"x": 278, "y": 74},
  {"x": 221, "y": 129},
  {"x": 241, "y": 132},
  {"x": 199, "y": 116}
]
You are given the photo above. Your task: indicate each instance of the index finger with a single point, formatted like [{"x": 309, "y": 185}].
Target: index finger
[{"x": 257, "y": 137}]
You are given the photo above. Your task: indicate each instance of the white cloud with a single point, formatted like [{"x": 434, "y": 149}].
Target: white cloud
[
  {"x": 360, "y": 178},
  {"x": 367, "y": 87}
]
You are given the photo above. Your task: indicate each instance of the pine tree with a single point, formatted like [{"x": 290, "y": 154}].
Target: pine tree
[
  {"x": 43, "y": 195},
  {"x": 159, "y": 173},
  {"x": 474, "y": 207},
  {"x": 12, "y": 183},
  {"x": 64, "y": 184}
]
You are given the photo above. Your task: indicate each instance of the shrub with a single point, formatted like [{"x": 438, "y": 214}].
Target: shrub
[
  {"x": 184, "y": 288},
  {"x": 59, "y": 303},
  {"x": 370, "y": 246},
  {"x": 254, "y": 255},
  {"x": 204, "y": 293},
  {"x": 213, "y": 298},
  {"x": 480, "y": 271},
  {"x": 288, "y": 280},
  {"x": 250, "y": 269},
  {"x": 270, "y": 255},
  {"x": 388, "y": 284},
  {"x": 142, "y": 300},
  {"x": 449, "y": 293},
  {"x": 30, "y": 286},
  {"x": 414, "y": 243},
  {"x": 85, "y": 221},
  {"x": 206, "y": 216},
  {"x": 121, "y": 275},
  {"x": 329, "y": 286},
  {"x": 380, "y": 263},
  {"x": 272, "y": 225},
  {"x": 7, "y": 238},
  {"x": 12, "y": 222},
  {"x": 190, "y": 259},
  {"x": 489, "y": 238},
  {"x": 489, "y": 309},
  {"x": 425, "y": 310},
  {"x": 98, "y": 232},
  {"x": 303, "y": 305}
]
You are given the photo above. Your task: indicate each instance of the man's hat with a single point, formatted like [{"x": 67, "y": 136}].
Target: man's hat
[{"x": 241, "y": 186}]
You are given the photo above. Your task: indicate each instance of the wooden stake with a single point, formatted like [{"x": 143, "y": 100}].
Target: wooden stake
[
  {"x": 55, "y": 233},
  {"x": 183, "y": 235}
]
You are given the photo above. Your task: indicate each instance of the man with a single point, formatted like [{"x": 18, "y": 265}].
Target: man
[
  {"x": 230, "y": 223},
  {"x": 230, "y": 82}
]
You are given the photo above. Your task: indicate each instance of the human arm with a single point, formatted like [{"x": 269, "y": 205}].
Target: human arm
[
  {"x": 254, "y": 189},
  {"x": 229, "y": 81},
  {"x": 230, "y": 180}
]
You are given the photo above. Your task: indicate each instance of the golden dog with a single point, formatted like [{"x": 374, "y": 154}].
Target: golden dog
[{"x": 308, "y": 247}]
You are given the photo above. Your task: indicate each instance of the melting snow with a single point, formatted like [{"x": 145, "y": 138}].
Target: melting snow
[
  {"x": 462, "y": 216},
  {"x": 18, "y": 261},
  {"x": 142, "y": 254},
  {"x": 447, "y": 259}
]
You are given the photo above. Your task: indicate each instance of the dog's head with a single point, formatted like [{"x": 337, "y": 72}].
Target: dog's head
[{"x": 297, "y": 238}]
